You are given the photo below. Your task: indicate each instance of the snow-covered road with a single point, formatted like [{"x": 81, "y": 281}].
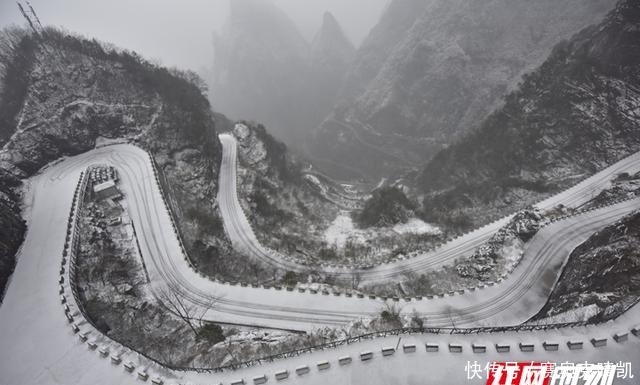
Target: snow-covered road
[
  {"x": 511, "y": 302},
  {"x": 38, "y": 347},
  {"x": 243, "y": 237}
]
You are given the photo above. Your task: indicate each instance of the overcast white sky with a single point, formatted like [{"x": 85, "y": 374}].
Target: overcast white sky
[{"x": 179, "y": 32}]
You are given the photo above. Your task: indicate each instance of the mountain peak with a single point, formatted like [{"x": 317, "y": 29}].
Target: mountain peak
[
  {"x": 331, "y": 39},
  {"x": 236, "y": 6},
  {"x": 431, "y": 70},
  {"x": 329, "y": 21},
  {"x": 559, "y": 123}
]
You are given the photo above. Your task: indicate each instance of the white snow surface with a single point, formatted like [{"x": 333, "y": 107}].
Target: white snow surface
[
  {"x": 416, "y": 226},
  {"x": 316, "y": 182},
  {"x": 342, "y": 230},
  {"x": 574, "y": 315}
]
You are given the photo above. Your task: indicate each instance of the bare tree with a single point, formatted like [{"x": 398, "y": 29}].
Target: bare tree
[
  {"x": 191, "y": 314},
  {"x": 229, "y": 348},
  {"x": 355, "y": 280},
  {"x": 451, "y": 311}
]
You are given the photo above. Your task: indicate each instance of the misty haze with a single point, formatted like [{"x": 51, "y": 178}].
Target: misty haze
[{"x": 320, "y": 192}]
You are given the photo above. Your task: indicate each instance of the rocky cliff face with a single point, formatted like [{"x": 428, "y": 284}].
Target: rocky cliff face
[
  {"x": 577, "y": 113},
  {"x": 13, "y": 227},
  {"x": 265, "y": 71},
  {"x": 16, "y": 59},
  {"x": 375, "y": 50},
  {"x": 288, "y": 211},
  {"x": 259, "y": 68},
  {"x": 331, "y": 54},
  {"x": 602, "y": 277},
  {"x": 432, "y": 70},
  {"x": 78, "y": 94}
]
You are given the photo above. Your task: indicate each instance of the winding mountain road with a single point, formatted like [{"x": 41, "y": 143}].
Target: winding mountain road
[
  {"x": 37, "y": 346},
  {"x": 243, "y": 237}
]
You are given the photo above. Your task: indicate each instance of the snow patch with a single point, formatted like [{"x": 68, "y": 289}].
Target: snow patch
[
  {"x": 381, "y": 183},
  {"x": 102, "y": 141},
  {"x": 316, "y": 182},
  {"x": 343, "y": 229},
  {"x": 416, "y": 226},
  {"x": 575, "y": 315}
]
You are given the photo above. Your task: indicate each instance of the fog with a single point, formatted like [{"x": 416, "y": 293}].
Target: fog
[{"x": 179, "y": 33}]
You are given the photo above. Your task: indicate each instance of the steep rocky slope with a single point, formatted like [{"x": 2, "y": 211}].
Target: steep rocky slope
[
  {"x": 16, "y": 58},
  {"x": 80, "y": 94},
  {"x": 440, "y": 67},
  {"x": 265, "y": 71},
  {"x": 260, "y": 66},
  {"x": 394, "y": 23},
  {"x": 305, "y": 215},
  {"x": 288, "y": 210},
  {"x": 331, "y": 54},
  {"x": 602, "y": 276},
  {"x": 622, "y": 186},
  {"x": 577, "y": 113},
  {"x": 503, "y": 251},
  {"x": 12, "y": 224}
]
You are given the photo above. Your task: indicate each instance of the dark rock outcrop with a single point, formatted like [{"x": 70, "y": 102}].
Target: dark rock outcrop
[{"x": 387, "y": 206}]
